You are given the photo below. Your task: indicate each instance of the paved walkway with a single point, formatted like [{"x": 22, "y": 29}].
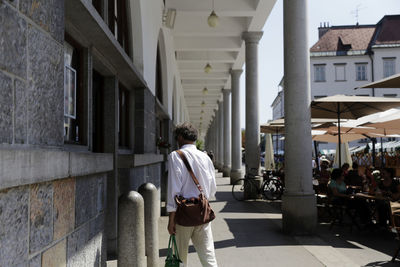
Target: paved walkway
[{"x": 249, "y": 234}]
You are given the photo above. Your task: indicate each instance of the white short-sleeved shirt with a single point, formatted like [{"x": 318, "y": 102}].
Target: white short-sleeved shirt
[{"x": 179, "y": 180}]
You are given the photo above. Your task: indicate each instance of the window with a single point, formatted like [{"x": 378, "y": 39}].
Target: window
[
  {"x": 73, "y": 94},
  {"x": 319, "y": 73},
  {"x": 97, "y": 6},
  {"x": 388, "y": 67},
  {"x": 340, "y": 72},
  {"x": 118, "y": 22},
  {"x": 123, "y": 117},
  {"x": 361, "y": 72}
]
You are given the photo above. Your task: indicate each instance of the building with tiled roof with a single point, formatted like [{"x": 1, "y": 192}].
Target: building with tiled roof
[{"x": 346, "y": 57}]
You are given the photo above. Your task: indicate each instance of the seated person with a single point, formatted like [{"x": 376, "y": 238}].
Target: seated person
[
  {"x": 353, "y": 178},
  {"x": 369, "y": 179},
  {"x": 388, "y": 188},
  {"x": 324, "y": 174},
  {"x": 345, "y": 169},
  {"x": 337, "y": 187},
  {"x": 338, "y": 193}
]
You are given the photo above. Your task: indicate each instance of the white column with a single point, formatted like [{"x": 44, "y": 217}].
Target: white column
[
  {"x": 227, "y": 132},
  {"x": 298, "y": 205},
  {"x": 221, "y": 135},
  {"x": 252, "y": 125},
  {"x": 236, "y": 168},
  {"x": 216, "y": 139}
]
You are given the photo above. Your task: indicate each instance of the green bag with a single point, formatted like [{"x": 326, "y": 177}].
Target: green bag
[{"x": 173, "y": 259}]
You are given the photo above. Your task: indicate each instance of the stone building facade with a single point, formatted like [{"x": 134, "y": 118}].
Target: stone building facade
[{"x": 83, "y": 101}]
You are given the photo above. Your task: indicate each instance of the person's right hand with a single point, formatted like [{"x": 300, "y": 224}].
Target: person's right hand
[{"x": 171, "y": 228}]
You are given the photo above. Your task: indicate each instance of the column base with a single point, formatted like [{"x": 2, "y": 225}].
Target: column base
[
  {"x": 251, "y": 192},
  {"x": 220, "y": 167},
  {"x": 227, "y": 171},
  {"x": 236, "y": 175},
  {"x": 299, "y": 214}
]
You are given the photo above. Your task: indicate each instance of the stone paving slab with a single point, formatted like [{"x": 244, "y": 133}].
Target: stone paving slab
[{"x": 249, "y": 234}]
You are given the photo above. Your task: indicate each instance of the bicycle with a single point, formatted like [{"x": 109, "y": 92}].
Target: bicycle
[{"x": 271, "y": 187}]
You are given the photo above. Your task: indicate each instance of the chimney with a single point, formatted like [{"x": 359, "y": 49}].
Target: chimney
[{"x": 323, "y": 29}]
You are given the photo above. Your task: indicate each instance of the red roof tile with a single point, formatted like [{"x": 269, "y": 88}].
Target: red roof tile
[{"x": 351, "y": 37}]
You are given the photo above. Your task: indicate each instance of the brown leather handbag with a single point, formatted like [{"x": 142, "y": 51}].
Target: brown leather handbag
[{"x": 192, "y": 211}]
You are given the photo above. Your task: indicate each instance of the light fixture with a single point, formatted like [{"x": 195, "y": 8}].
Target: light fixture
[
  {"x": 203, "y": 104},
  {"x": 169, "y": 16},
  {"x": 213, "y": 18},
  {"x": 205, "y": 91},
  {"x": 207, "y": 68}
]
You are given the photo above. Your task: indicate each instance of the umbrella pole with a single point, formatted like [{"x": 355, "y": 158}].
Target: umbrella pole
[
  {"x": 382, "y": 157},
  {"x": 316, "y": 154},
  {"x": 373, "y": 151},
  {"x": 277, "y": 147},
  {"x": 340, "y": 141}
]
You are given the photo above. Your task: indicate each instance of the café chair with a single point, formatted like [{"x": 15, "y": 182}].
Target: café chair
[{"x": 395, "y": 226}]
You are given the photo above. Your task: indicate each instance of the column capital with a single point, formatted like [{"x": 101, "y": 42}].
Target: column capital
[
  {"x": 226, "y": 91},
  {"x": 252, "y": 37},
  {"x": 237, "y": 72}
]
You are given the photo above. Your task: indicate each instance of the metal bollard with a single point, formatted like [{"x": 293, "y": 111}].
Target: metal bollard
[
  {"x": 131, "y": 244},
  {"x": 151, "y": 216}
]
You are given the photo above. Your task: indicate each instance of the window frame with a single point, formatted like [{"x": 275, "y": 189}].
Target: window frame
[
  {"x": 319, "y": 72},
  {"x": 386, "y": 60},
  {"x": 337, "y": 66},
  {"x": 364, "y": 73},
  {"x": 80, "y": 118}
]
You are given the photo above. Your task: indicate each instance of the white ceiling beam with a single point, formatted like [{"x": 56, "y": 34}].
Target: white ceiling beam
[
  {"x": 206, "y": 56},
  {"x": 215, "y": 67},
  {"x": 196, "y": 25},
  {"x": 196, "y": 43},
  {"x": 205, "y": 76},
  {"x": 211, "y": 82},
  {"x": 222, "y": 7}
]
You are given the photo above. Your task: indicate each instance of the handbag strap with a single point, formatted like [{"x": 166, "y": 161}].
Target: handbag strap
[{"x": 183, "y": 157}]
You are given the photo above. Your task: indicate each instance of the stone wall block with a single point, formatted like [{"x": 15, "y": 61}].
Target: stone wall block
[
  {"x": 13, "y": 42},
  {"x": 56, "y": 255},
  {"x": 96, "y": 226},
  {"x": 48, "y": 14},
  {"x": 85, "y": 199},
  {"x": 45, "y": 93},
  {"x": 14, "y": 226},
  {"x": 64, "y": 207},
  {"x": 41, "y": 216},
  {"x": 76, "y": 243},
  {"x": 6, "y": 104},
  {"x": 36, "y": 261},
  {"x": 20, "y": 112}
]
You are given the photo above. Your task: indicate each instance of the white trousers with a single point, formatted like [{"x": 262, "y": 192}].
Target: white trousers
[{"x": 202, "y": 240}]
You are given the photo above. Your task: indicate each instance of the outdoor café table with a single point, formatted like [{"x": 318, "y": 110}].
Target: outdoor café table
[{"x": 370, "y": 197}]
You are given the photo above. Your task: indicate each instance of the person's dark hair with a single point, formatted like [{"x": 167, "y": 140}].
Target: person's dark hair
[
  {"x": 336, "y": 173},
  {"x": 187, "y": 131},
  {"x": 354, "y": 165},
  {"x": 345, "y": 165},
  {"x": 390, "y": 171}
]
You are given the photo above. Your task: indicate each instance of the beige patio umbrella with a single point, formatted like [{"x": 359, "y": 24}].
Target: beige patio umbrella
[
  {"x": 333, "y": 138},
  {"x": 350, "y": 107},
  {"x": 269, "y": 162},
  {"x": 344, "y": 156},
  {"x": 389, "y": 82},
  {"x": 388, "y": 123}
]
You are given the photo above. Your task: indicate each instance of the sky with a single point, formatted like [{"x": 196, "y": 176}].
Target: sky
[{"x": 270, "y": 53}]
